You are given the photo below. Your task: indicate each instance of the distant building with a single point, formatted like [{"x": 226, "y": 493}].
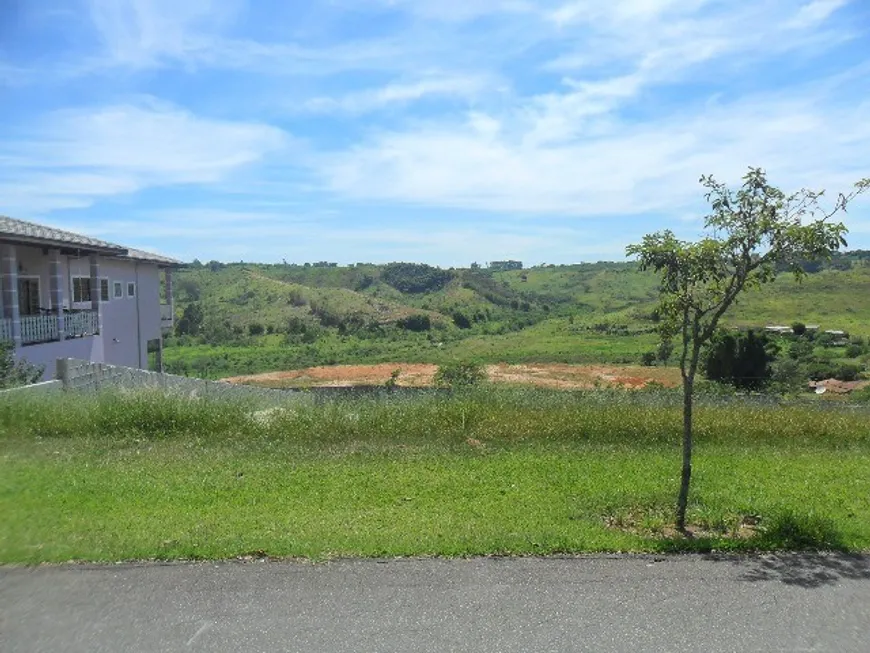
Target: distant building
[
  {"x": 506, "y": 265},
  {"x": 65, "y": 295}
]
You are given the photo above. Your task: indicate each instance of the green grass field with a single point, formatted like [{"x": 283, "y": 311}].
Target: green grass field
[
  {"x": 552, "y": 341},
  {"x": 493, "y": 471}
]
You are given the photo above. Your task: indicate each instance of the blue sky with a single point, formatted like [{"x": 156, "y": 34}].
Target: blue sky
[{"x": 444, "y": 131}]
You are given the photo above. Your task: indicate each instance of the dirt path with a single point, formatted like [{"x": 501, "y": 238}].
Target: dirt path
[{"x": 544, "y": 375}]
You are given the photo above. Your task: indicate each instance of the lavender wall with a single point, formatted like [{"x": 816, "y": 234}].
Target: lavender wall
[{"x": 128, "y": 322}]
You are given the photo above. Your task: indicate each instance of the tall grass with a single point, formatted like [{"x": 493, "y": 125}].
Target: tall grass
[
  {"x": 501, "y": 415},
  {"x": 493, "y": 470}
]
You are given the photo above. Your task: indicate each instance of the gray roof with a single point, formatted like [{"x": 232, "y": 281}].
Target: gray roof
[
  {"x": 21, "y": 230},
  {"x": 30, "y": 232},
  {"x": 139, "y": 255}
]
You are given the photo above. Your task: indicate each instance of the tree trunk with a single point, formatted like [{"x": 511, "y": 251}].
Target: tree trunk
[{"x": 683, "y": 500}]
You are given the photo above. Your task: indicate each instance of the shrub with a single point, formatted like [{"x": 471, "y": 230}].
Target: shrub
[
  {"x": 256, "y": 329},
  {"x": 415, "y": 277},
  {"x": 741, "y": 360},
  {"x": 393, "y": 381},
  {"x": 853, "y": 351},
  {"x": 847, "y": 372},
  {"x": 457, "y": 375},
  {"x": 16, "y": 373},
  {"x": 799, "y": 328},
  {"x": 648, "y": 358},
  {"x": 461, "y": 320},
  {"x": 819, "y": 370},
  {"x": 789, "y": 375},
  {"x": 417, "y": 322},
  {"x": 296, "y": 298}
]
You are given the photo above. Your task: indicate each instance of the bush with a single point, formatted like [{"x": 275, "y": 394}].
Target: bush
[
  {"x": 415, "y": 277},
  {"x": 799, "y": 328},
  {"x": 16, "y": 373},
  {"x": 847, "y": 372},
  {"x": 457, "y": 375},
  {"x": 256, "y": 329},
  {"x": 853, "y": 351},
  {"x": 461, "y": 320},
  {"x": 648, "y": 358},
  {"x": 743, "y": 360},
  {"x": 819, "y": 370},
  {"x": 800, "y": 350},
  {"x": 789, "y": 375},
  {"x": 418, "y": 322}
]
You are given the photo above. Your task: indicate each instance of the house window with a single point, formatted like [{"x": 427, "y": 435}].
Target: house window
[
  {"x": 131, "y": 289},
  {"x": 118, "y": 290},
  {"x": 81, "y": 290}
]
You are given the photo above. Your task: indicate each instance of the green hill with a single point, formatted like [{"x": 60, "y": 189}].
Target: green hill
[{"x": 241, "y": 318}]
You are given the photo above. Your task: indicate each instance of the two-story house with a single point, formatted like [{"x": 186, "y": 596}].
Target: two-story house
[{"x": 66, "y": 295}]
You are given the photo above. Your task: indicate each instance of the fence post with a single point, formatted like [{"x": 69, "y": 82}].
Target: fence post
[{"x": 62, "y": 371}]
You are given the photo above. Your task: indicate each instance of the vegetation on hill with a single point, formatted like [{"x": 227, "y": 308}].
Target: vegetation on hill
[{"x": 253, "y": 317}]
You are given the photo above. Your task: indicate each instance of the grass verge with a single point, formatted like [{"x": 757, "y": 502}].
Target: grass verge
[{"x": 496, "y": 471}]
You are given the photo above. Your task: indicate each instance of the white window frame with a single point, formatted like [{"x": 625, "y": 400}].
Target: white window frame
[
  {"x": 131, "y": 284},
  {"x": 72, "y": 282},
  {"x": 88, "y": 302},
  {"x": 117, "y": 290}
]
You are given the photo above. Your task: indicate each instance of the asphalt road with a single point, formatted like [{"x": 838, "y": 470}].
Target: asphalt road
[{"x": 636, "y": 604}]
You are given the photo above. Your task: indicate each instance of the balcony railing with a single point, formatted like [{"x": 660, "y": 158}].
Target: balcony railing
[
  {"x": 5, "y": 329},
  {"x": 81, "y": 323},
  {"x": 36, "y": 329}
]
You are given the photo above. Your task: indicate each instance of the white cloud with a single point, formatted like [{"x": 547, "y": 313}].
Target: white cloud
[
  {"x": 70, "y": 158},
  {"x": 552, "y": 107},
  {"x": 401, "y": 93},
  {"x": 141, "y": 32},
  {"x": 815, "y": 12},
  {"x": 458, "y": 11},
  {"x": 621, "y": 168}
]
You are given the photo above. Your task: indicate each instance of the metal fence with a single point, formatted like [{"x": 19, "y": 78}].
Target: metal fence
[{"x": 79, "y": 375}]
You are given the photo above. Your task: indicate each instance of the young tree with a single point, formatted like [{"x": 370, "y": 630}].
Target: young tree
[{"x": 751, "y": 233}]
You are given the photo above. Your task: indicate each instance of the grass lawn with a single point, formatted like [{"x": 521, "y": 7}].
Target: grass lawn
[{"x": 491, "y": 472}]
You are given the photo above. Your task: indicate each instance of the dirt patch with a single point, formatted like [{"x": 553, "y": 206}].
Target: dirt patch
[
  {"x": 344, "y": 376},
  {"x": 544, "y": 375},
  {"x": 578, "y": 377}
]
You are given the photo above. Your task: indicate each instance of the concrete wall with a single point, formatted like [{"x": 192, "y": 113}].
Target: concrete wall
[
  {"x": 46, "y": 354},
  {"x": 37, "y": 389}
]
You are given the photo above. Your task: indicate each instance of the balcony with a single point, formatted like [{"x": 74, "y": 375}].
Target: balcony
[{"x": 36, "y": 329}]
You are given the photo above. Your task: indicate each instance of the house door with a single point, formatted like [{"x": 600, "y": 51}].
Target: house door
[{"x": 28, "y": 296}]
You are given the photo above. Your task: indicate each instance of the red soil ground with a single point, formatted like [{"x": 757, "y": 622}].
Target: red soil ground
[{"x": 545, "y": 375}]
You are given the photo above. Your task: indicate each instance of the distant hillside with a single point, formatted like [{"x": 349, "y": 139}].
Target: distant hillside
[
  {"x": 271, "y": 295},
  {"x": 282, "y": 316}
]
